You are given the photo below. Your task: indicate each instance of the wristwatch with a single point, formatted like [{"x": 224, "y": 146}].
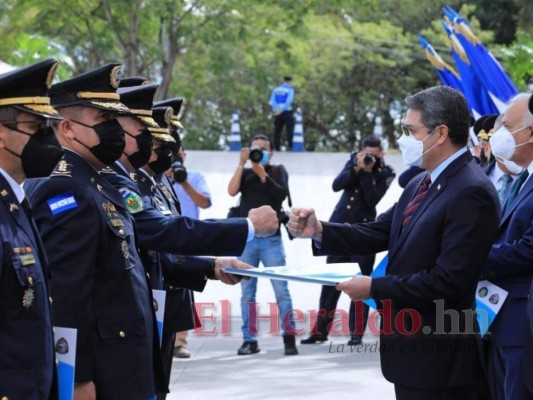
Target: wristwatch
[{"x": 211, "y": 272}]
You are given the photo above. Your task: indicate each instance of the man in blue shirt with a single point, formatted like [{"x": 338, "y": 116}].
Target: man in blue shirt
[
  {"x": 192, "y": 192},
  {"x": 281, "y": 102}
]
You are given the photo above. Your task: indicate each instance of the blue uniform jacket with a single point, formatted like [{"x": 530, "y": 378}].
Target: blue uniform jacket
[
  {"x": 178, "y": 234},
  {"x": 26, "y": 343},
  {"x": 179, "y": 312},
  {"x": 98, "y": 280}
]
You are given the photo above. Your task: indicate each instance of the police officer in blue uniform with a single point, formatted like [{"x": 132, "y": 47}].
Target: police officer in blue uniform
[
  {"x": 179, "y": 311},
  {"x": 174, "y": 128},
  {"x": 151, "y": 216},
  {"x": 281, "y": 102},
  {"x": 27, "y": 149},
  {"x": 99, "y": 282},
  {"x": 364, "y": 181}
]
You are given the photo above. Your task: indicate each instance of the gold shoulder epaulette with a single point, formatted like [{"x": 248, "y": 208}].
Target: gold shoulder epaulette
[{"x": 62, "y": 168}]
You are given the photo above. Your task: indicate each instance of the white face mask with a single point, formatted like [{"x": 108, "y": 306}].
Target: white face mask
[
  {"x": 413, "y": 150},
  {"x": 502, "y": 143},
  {"x": 513, "y": 167}
]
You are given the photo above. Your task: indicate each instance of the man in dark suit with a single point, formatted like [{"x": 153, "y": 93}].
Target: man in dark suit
[
  {"x": 28, "y": 149},
  {"x": 528, "y": 371},
  {"x": 364, "y": 180},
  {"x": 438, "y": 235},
  {"x": 510, "y": 260}
]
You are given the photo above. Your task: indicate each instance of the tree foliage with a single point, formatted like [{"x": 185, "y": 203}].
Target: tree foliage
[{"x": 352, "y": 62}]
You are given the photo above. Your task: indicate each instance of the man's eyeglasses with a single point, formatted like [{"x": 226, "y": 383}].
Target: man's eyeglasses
[
  {"x": 408, "y": 130},
  {"x": 38, "y": 124}
]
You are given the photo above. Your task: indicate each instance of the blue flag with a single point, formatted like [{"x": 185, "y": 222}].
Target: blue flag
[
  {"x": 447, "y": 74},
  {"x": 478, "y": 98},
  {"x": 493, "y": 77}
]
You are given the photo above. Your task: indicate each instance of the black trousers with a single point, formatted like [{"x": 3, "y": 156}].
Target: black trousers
[
  {"x": 330, "y": 296},
  {"x": 286, "y": 119},
  {"x": 407, "y": 393},
  {"x": 167, "y": 352}
]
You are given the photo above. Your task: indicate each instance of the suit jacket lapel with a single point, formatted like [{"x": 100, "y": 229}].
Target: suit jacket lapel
[
  {"x": 435, "y": 190},
  {"x": 522, "y": 196}
]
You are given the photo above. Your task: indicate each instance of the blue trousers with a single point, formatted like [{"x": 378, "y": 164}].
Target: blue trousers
[{"x": 270, "y": 252}]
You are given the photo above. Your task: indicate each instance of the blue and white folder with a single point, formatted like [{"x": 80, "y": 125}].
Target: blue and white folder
[
  {"x": 489, "y": 301},
  {"x": 159, "y": 307},
  {"x": 325, "y": 274},
  {"x": 65, "y": 347}
]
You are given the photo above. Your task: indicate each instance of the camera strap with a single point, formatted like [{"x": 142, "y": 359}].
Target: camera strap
[{"x": 274, "y": 172}]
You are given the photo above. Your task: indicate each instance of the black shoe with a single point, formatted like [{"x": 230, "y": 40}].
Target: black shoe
[
  {"x": 355, "y": 340},
  {"x": 248, "y": 348},
  {"x": 290, "y": 345},
  {"x": 314, "y": 338}
]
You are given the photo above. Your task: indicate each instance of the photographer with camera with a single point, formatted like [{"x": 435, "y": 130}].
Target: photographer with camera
[
  {"x": 190, "y": 186},
  {"x": 364, "y": 180},
  {"x": 262, "y": 184}
]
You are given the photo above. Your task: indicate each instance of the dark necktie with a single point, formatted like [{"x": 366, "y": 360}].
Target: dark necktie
[
  {"x": 416, "y": 201},
  {"x": 502, "y": 191},
  {"x": 514, "y": 189}
]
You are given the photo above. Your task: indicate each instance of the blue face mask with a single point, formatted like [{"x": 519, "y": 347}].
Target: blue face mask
[{"x": 266, "y": 157}]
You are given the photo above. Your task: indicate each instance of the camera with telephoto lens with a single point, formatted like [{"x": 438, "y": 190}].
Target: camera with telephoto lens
[
  {"x": 179, "y": 172},
  {"x": 369, "y": 159},
  {"x": 256, "y": 155}
]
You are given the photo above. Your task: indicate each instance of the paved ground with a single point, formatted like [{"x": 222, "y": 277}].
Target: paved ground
[{"x": 328, "y": 370}]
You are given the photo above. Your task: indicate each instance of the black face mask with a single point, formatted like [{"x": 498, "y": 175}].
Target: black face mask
[
  {"x": 112, "y": 141},
  {"x": 164, "y": 160},
  {"x": 144, "y": 144},
  {"x": 41, "y": 154}
]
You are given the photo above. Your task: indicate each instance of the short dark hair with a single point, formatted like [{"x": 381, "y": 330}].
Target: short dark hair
[
  {"x": 442, "y": 105},
  {"x": 8, "y": 113},
  {"x": 264, "y": 137},
  {"x": 371, "y": 141}
]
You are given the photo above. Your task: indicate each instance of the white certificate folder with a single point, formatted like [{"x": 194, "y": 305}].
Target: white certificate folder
[{"x": 324, "y": 274}]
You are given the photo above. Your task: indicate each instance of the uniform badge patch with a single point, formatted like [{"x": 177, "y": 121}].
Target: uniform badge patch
[
  {"x": 133, "y": 202},
  {"x": 62, "y": 203}
]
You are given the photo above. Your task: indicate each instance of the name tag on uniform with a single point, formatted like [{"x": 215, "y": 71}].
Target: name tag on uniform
[{"x": 62, "y": 203}]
